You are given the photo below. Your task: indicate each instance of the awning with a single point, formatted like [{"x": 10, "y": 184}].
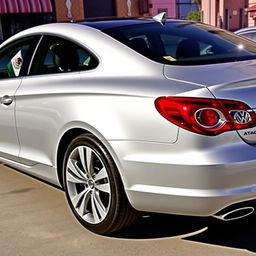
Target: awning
[
  {"x": 25, "y": 6},
  {"x": 251, "y": 9}
]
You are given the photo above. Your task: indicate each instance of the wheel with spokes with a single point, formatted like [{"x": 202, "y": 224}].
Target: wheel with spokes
[{"x": 93, "y": 187}]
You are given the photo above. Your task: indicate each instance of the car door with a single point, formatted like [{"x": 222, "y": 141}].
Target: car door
[
  {"x": 43, "y": 99},
  {"x": 14, "y": 59}
]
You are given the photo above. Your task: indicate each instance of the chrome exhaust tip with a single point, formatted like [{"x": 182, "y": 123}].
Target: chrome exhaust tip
[{"x": 235, "y": 214}]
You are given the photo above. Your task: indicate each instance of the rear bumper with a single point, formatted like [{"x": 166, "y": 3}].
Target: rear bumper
[
  {"x": 194, "y": 202},
  {"x": 165, "y": 178}
]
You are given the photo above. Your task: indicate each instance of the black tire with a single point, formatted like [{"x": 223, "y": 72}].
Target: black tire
[{"x": 118, "y": 213}]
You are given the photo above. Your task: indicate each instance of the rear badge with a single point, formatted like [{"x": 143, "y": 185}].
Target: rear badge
[{"x": 241, "y": 116}]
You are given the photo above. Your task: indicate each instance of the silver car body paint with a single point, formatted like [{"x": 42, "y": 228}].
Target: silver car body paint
[{"x": 163, "y": 168}]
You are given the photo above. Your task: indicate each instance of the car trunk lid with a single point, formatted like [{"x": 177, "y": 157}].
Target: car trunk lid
[{"x": 231, "y": 81}]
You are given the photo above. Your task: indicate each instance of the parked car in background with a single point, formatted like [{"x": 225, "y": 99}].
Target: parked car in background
[
  {"x": 133, "y": 115},
  {"x": 249, "y": 32}
]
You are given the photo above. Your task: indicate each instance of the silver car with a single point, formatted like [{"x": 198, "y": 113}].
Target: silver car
[
  {"x": 133, "y": 115},
  {"x": 249, "y": 33}
]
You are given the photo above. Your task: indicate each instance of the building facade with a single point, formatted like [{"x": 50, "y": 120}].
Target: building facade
[
  {"x": 225, "y": 14},
  {"x": 124, "y": 8},
  {"x": 157, "y": 6},
  {"x": 80, "y": 9},
  {"x": 251, "y": 11},
  {"x": 69, "y": 10},
  {"x": 17, "y": 15}
]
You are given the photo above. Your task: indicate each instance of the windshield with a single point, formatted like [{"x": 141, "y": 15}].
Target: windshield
[{"x": 184, "y": 43}]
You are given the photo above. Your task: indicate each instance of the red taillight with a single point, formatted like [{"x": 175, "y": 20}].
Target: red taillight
[{"x": 206, "y": 116}]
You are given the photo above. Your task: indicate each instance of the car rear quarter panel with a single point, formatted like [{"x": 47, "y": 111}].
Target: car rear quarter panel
[
  {"x": 113, "y": 109},
  {"x": 46, "y": 107}
]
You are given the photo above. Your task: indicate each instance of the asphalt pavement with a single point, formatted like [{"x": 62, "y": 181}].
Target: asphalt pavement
[{"x": 35, "y": 220}]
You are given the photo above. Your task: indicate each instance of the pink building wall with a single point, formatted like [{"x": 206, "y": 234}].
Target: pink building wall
[
  {"x": 156, "y": 6},
  {"x": 225, "y": 13},
  {"x": 234, "y": 7},
  {"x": 209, "y": 12}
]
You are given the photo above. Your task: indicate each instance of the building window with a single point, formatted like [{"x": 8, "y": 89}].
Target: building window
[
  {"x": 143, "y": 6},
  {"x": 226, "y": 18},
  {"x": 184, "y": 7},
  {"x": 241, "y": 18}
]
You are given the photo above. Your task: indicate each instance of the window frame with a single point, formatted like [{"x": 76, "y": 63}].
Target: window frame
[
  {"x": 32, "y": 41},
  {"x": 53, "y": 37}
]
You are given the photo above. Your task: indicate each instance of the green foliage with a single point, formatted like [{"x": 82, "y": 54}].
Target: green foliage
[{"x": 195, "y": 16}]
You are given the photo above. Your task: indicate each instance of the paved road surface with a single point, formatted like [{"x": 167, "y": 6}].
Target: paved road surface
[{"x": 35, "y": 220}]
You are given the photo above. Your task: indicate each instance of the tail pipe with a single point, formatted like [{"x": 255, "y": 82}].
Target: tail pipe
[{"x": 234, "y": 212}]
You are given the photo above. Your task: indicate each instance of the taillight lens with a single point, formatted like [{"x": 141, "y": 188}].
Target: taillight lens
[{"x": 206, "y": 116}]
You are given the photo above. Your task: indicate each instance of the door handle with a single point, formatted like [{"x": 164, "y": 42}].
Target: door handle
[{"x": 6, "y": 100}]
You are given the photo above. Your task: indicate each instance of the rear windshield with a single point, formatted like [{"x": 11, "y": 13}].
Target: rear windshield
[{"x": 184, "y": 43}]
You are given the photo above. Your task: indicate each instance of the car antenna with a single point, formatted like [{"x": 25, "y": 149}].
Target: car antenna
[{"x": 160, "y": 17}]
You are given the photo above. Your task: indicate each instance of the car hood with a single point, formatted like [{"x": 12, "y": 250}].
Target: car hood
[{"x": 234, "y": 81}]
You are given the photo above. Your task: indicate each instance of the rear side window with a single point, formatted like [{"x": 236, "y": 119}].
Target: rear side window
[
  {"x": 57, "y": 55},
  {"x": 184, "y": 43}
]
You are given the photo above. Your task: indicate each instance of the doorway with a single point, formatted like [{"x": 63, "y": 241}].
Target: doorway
[{"x": 99, "y": 8}]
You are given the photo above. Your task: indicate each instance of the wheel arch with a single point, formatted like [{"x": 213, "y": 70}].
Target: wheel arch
[
  {"x": 72, "y": 133},
  {"x": 67, "y": 137}
]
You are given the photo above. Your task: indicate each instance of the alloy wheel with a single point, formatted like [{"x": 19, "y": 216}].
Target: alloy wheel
[{"x": 88, "y": 184}]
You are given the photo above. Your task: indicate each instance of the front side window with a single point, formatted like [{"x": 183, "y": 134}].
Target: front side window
[
  {"x": 184, "y": 43},
  {"x": 57, "y": 55},
  {"x": 13, "y": 58}
]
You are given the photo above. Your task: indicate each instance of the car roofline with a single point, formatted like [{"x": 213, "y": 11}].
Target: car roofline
[
  {"x": 105, "y": 23},
  {"x": 248, "y": 29}
]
